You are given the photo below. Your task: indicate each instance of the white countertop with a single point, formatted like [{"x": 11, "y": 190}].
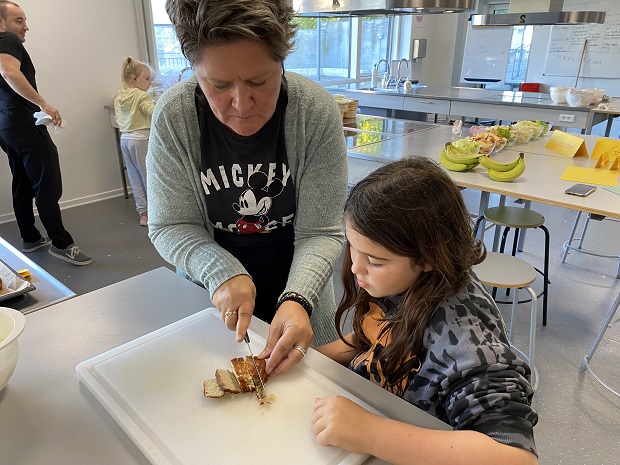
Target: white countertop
[{"x": 48, "y": 418}]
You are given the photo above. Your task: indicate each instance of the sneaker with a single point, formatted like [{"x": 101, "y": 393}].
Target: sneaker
[
  {"x": 71, "y": 254},
  {"x": 32, "y": 246},
  {"x": 144, "y": 219}
]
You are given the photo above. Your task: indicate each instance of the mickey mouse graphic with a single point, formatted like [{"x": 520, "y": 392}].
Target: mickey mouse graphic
[{"x": 255, "y": 202}]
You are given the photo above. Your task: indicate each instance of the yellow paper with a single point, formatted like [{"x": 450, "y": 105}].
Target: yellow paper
[
  {"x": 606, "y": 146},
  {"x": 567, "y": 144},
  {"x": 591, "y": 176}
]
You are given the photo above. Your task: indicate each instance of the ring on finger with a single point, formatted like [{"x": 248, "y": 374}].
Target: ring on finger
[
  {"x": 230, "y": 313},
  {"x": 300, "y": 349}
]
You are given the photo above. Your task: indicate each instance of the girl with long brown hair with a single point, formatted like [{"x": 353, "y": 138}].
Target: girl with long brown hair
[{"x": 424, "y": 328}]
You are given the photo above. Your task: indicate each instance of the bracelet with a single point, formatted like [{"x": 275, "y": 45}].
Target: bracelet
[{"x": 295, "y": 297}]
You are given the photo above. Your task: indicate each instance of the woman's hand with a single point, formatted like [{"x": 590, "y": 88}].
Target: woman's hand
[
  {"x": 235, "y": 299},
  {"x": 338, "y": 421},
  {"x": 290, "y": 335}
]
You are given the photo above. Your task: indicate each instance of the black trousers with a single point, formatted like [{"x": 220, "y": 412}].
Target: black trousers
[{"x": 34, "y": 163}]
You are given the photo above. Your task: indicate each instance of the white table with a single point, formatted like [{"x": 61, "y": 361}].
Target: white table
[{"x": 48, "y": 418}]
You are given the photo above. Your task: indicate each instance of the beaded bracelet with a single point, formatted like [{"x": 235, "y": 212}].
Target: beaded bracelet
[{"x": 295, "y": 297}]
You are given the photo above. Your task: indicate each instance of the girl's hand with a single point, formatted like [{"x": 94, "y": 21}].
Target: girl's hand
[{"x": 338, "y": 421}]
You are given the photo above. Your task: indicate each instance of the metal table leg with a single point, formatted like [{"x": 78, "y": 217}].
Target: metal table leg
[
  {"x": 586, "y": 360},
  {"x": 121, "y": 161}
]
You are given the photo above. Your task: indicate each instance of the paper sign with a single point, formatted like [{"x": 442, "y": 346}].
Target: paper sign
[
  {"x": 567, "y": 144},
  {"x": 606, "y": 146},
  {"x": 601, "y": 177}
]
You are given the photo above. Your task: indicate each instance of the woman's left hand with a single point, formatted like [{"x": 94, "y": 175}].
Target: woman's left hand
[
  {"x": 290, "y": 335},
  {"x": 338, "y": 421}
]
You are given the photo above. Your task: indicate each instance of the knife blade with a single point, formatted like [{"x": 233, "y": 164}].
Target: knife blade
[{"x": 262, "y": 393}]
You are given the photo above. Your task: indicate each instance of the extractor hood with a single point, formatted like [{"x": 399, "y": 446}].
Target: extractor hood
[
  {"x": 552, "y": 16},
  {"x": 319, "y": 8}
]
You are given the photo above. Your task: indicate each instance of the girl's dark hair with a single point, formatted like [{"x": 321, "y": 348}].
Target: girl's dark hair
[
  {"x": 413, "y": 209},
  {"x": 201, "y": 24}
]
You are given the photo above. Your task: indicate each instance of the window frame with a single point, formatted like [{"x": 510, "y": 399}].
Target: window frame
[{"x": 148, "y": 48}]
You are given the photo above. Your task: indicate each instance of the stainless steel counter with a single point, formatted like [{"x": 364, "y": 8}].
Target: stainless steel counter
[
  {"x": 48, "y": 417},
  {"x": 48, "y": 289},
  {"x": 479, "y": 103}
]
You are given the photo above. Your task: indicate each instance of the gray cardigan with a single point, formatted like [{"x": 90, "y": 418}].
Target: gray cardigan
[{"x": 179, "y": 225}]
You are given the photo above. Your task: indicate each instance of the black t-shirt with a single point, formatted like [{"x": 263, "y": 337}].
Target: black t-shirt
[
  {"x": 247, "y": 182},
  {"x": 14, "y": 109},
  {"x": 250, "y": 198}
]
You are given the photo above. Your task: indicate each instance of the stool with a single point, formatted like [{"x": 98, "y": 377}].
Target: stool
[
  {"x": 571, "y": 238},
  {"x": 586, "y": 360},
  {"x": 522, "y": 218},
  {"x": 506, "y": 271}
]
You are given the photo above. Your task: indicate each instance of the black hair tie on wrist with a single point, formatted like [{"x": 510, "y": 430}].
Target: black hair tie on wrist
[{"x": 295, "y": 297}]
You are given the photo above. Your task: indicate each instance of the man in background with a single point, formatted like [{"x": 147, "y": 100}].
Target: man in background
[{"x": 33, "y": 156}]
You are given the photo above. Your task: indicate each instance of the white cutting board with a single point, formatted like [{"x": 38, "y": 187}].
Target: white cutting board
[{"x": 153, "y": 388}]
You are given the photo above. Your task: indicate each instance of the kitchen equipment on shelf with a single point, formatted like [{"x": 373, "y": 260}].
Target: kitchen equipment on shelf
[
  {"x": 579, "y": 98},
  {"x": 558, "y": 94},
  {"x": 598, "y": 94},
  {"x": 12, "y": 324}
]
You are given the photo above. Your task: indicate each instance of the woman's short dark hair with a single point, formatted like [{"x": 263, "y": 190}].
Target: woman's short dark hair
[{"x": 201, "y": 24}]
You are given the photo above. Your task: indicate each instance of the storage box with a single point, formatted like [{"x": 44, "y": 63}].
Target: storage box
[{"x": 529, "y": 87}]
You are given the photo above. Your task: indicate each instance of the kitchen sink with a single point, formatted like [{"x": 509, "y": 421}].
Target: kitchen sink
[{"x": 391, "y": 90}]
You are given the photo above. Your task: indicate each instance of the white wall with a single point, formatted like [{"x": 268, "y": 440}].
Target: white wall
[
  {"x": 536, "y": 68},
  {"x": 77, "y": 47},
  {"x": 443, "y": 43}
]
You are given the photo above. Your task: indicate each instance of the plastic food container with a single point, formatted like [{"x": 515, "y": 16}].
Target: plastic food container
[
  {"x": 579, "y": 98},
  {"x": 558, "y": 94},
  {"x": 598, "y": 94}
]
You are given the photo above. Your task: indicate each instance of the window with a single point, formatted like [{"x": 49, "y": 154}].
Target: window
[
  {"x": 326, "y": 49},
  {"x": 519, "y": 54}
]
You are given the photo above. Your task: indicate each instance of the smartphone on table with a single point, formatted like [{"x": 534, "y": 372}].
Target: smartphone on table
[{"x": 580, "y": 190}]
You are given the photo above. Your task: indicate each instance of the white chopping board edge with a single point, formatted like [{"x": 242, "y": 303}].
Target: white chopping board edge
[{"x": 152, "y": 388}]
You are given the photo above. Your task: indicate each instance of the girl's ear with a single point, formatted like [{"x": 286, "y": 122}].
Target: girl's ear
[{"x": 427, "y": 268}]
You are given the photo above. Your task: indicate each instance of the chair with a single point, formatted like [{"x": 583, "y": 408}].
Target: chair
[
  {"x": 518, "y": 219},
  {"x": 571, "y": 238},
  {"x": 506, "y": 271}
]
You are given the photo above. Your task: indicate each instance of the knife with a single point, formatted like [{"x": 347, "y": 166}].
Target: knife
[{"x": 261, "y": 395}]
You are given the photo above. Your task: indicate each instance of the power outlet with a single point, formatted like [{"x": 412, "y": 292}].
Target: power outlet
[{"x": 566, "y": 119}]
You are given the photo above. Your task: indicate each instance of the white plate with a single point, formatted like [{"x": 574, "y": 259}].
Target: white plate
[{"x": 153, "y": 388}]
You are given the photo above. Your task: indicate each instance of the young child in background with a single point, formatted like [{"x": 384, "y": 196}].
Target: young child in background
[
  {"x": 134, "y": 107},
  {"x": 425, "y": 329}
]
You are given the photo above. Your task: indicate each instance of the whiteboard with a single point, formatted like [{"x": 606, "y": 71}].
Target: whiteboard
[
  {"x": 486, "y": 54},
  {"x": 602, "y": 54}
]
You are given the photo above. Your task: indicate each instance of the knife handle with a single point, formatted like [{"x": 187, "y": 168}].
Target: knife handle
[{"x": 246, "y": 338}]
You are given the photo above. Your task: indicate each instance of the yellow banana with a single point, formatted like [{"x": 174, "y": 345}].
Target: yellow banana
[
  {"x": 450, "y": 165},
  {"x": 507, "y": 176},
  {"x": 490, "y": 164},
  {"x": 456, "y": 155}
]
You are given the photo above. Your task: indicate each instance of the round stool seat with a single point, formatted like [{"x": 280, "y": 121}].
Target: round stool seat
[
  {"x": 514, "y": 217},
  {"x": 501, "y": 270}
]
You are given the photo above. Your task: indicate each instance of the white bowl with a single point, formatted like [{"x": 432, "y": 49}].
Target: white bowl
[
  {"x": 579, "y": 98},
  {"x": 12, "y": 324},
  {"x": 558, "y": 94},
  {"x": 598, "y": 94}
]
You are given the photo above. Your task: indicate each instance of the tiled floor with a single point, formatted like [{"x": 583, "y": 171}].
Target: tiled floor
[{"x": 579, "y": 420}]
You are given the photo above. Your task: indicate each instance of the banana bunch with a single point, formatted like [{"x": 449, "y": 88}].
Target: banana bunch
[
  {"x": 504, "y": 172},
  {"x": 454, "y": 159}
]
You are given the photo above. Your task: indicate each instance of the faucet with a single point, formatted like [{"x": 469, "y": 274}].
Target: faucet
[
  {"x": 387, "y": 65},
  {"x": 398, "y": 83},
  {"x": 187, "y": 68}
]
